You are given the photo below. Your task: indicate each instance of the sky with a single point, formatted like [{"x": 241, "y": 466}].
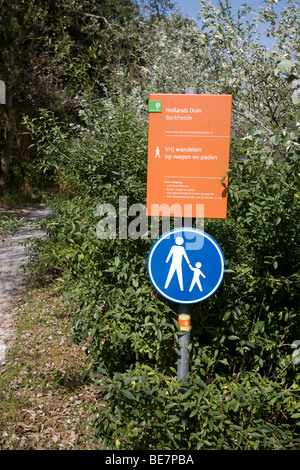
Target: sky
[{"x": 190, "y": 8}]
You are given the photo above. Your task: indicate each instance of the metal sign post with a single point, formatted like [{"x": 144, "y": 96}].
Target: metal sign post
[
  {"x": 183, "y": 363},
  {"x": 184, "y": 318},
  {"x": 186, "y": 266}
]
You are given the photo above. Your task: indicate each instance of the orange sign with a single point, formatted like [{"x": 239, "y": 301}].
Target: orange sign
[{"x": 188, "y": 155}]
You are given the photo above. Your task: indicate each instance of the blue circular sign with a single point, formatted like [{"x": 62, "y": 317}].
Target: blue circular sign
[{"x": 186, "y": 265}]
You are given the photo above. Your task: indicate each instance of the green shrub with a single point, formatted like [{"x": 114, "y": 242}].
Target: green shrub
[{"x": 243, "y": 390}]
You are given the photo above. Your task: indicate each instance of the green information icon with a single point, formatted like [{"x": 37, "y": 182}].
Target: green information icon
[{"x": 154, "y": 106}]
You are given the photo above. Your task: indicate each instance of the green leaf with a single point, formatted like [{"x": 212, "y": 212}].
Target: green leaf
[
  {"x": 224, "y": 361},
  {"x": 193, "y": 413},
  {"x": 286, "y": 66},
  {"x": 275, "y": 139},
  {"x": 170, "y": 434},
  {"x": 128, "y": 395},
  {"x": 296, "y": 96},
  {"x": 174, "y": 419}
]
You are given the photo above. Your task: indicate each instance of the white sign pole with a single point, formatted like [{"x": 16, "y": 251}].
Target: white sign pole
[{"x": 184, "y": 309}]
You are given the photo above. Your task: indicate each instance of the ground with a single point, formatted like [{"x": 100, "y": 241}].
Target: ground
[{"x": 45, "y": 404}]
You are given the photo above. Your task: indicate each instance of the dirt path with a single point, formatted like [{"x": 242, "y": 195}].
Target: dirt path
[
  {"x": 46, "y": 403},
  {"x": 13, "y": 258}
]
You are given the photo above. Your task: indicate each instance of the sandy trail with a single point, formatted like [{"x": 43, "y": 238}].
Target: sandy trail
[{"x": 13, "y": 258}]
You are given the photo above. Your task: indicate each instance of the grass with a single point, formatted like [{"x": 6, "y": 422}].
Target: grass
[{"x": 44, "y": 401}]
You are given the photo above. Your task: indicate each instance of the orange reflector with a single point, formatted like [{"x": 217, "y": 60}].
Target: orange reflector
[{"x": 184, "y": 322}]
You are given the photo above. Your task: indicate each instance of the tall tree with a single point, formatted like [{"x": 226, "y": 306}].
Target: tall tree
[
  {"x": 11, "y": 35},
  {"x": 41, "y": 42}
]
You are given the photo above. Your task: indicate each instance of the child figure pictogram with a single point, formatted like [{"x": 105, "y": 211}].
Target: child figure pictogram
[{"x": 196, "y": 277}]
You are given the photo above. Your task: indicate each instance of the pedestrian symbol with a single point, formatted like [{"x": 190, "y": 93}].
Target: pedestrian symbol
[
  {"x": 186, "y": 265},
  {"x": 196, "y": 278},
  {"x": 157, "y": 153},
  {"x": 177, "y": 252}
]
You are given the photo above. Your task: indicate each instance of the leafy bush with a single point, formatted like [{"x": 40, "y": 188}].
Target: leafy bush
[{"x": 142, "y": 410}]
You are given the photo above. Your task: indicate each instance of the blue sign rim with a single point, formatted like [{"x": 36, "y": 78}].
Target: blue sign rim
[{"x": 185, "y": 229}]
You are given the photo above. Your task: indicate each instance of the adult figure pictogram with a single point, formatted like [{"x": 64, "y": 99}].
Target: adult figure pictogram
[{"x": 177, "y": 253}]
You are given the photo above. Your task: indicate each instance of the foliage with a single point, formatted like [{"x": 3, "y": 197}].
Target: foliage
[
  {"x": 249, "y": 412},
  {"x": 244, "y": 386},
  {"x": 10, "y": 225},
  {"x": 53, "y": 54}
]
